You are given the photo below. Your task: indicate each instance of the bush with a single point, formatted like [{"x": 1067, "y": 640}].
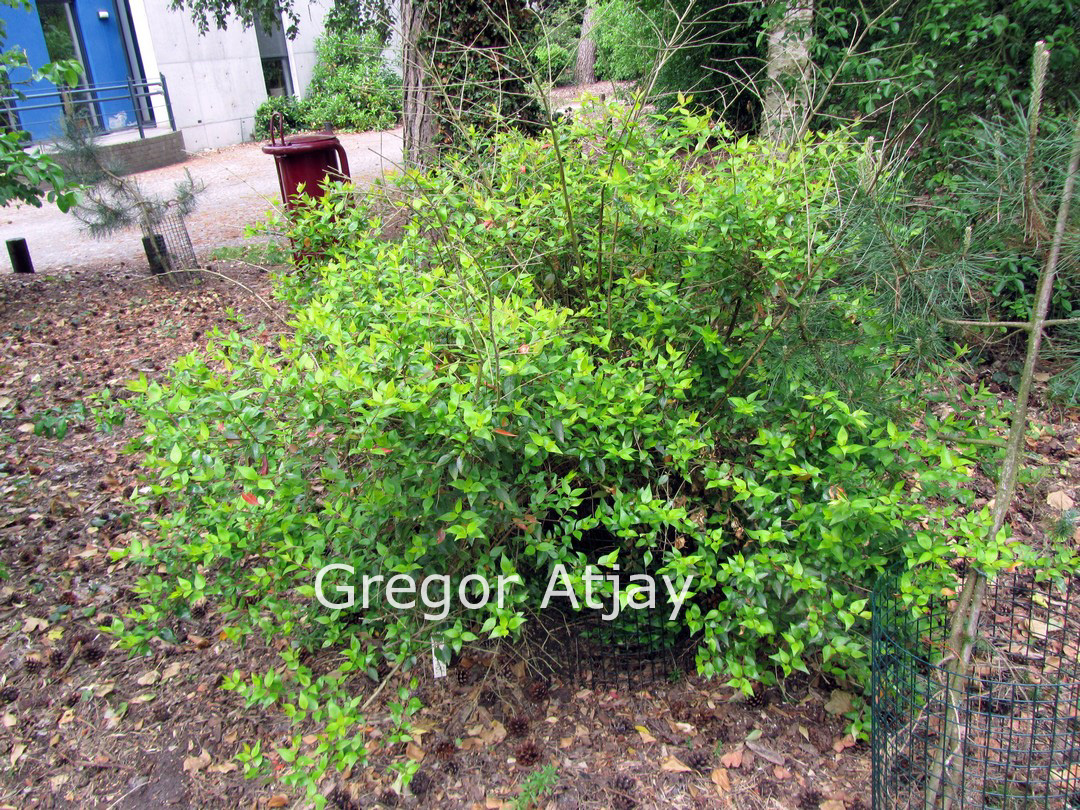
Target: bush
[
  {"x": 557, "y": 367},
  {"x": 551, "y": 62},
  {"x": 351, "y": 88},
  {"x": 291, "y": 108},
  {"x": 626, "y": 42}
]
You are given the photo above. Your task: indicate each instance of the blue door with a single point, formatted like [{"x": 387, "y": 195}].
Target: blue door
[{"x": 88, "y": 31}]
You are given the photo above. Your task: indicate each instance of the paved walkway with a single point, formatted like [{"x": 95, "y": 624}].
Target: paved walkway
[{"x": 241, "y": 185}]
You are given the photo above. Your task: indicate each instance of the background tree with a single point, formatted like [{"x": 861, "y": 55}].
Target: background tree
[{"x": 585, "y": 66}]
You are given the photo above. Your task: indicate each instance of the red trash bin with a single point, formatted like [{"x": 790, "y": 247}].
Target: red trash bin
[{"x": 304, "y": 159}]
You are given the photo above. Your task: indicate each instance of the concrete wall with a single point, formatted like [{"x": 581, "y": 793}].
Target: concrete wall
[{"x": 215, "y": 79}]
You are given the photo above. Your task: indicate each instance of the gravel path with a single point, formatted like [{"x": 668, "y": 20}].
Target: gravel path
[{"x": 241, "y": 185}]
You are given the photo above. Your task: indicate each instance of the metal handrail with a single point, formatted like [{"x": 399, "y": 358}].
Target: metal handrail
[{"x": 132, "y": 91}]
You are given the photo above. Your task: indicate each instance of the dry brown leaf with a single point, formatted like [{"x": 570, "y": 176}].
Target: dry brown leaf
[
  {"x": 224, "y": 767},
  {"x": 721, "y": 779},
  {"x": 832, "y": 804},
  {"x": 414, "y": 752},
  {"x": 765, "y": 753},
  {"x": 840, "y": 702},
  {"x": 1060, "y": 500},
  {"x": 842, "y": 743},
  {"x": 280, "y": 800},
  {"x": 673, "y": 765},
  {"x": 195, "y": 764},
  {"x": 732, "y": 759},
  {"x": 646, "y": 737},
  {"x": 171, "y": 671},
  {"x": 17, "y": 751},
  {"x": 148, "y": 678},
  {"x": 781, "y": 773}
]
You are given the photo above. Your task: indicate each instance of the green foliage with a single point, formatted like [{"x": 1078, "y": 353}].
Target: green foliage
[
  {"x": 477, "y": 58},
  {"x": 549, "y": 368},
  {"x": 350, "y": 89},
  {"x": 536, "y": 785},
  {"x": 30, "y": 176},
  {"x": 936, "y": 66},
  {"x": 293, "y": 112},
  {"x": 550, "y": 62},
  {"x": 626, "y": 40}
]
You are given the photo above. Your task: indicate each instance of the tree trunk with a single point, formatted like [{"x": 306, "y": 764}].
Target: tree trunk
[
  {"x": 787, "y": 97},
  {"x": 585, "y": 68},
  {"x": 417, "y": 111}
]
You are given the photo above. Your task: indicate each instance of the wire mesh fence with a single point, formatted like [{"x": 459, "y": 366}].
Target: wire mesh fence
[
  {"x": 168, "y": 248},
  {"x": 1017, "y": 713}
]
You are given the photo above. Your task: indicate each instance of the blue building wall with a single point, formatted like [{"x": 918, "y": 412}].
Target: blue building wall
[{"x": 24, "y": 31}]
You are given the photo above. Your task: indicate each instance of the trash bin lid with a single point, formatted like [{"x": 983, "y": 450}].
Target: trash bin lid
[{"x": 296, "y": 144}]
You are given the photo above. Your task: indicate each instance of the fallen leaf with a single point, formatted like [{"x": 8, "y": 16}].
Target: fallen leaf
[
  {"x": 831, "y": 804},
  {"x": 195, "y": 764},
  {"x": 765, "y": 753},
  {"x": 414, "y": 752},
  {"x": 721, "y": 780},
  {"x": 840, "y": 702},
  {"x": 224, "y": 767},
  {"x": 781, "y": 773},
  {"x": 10, "y": 720},
  {"x": 842, "y": 743},
  {"x": 732, "y": 759},
  {"x": 32, "y": 624},
  {"x": 171, "y": 671},
  {"x": 673, "y": 765},
  {"x": 148, "y": 678},
  {"x": 1059, "y": 500},
  {"x": 1041, "y": 629},
  {"x": 646, "y": 737},
  {"x": 17, "y": 751},
  {"x": 280, "y": 800}
]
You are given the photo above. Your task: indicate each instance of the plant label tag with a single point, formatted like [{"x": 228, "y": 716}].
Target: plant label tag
[{"x": 436, "y": 663}]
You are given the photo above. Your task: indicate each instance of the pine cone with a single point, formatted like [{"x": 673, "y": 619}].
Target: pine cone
[
  {"x": 420, "y": 784},
  {"x": 538, "y": 690},
  {"x": 388, "y": 798},
  {"x": 33, "y": 664},
  {"x": 463, "y": 676},
  {"x": 68, "y": 598},
  {"x": 527, "y": 754},
  {"x": 451, "y": 767},
  {"x": 58, "y": 656},
  {"x": 758, "y": 700},
  {"x": 198, "y": 610},
  {"x": 624, "y": 787},
  {"x": 622, "y": 726},
  {"x": 445, "y": 750},
  {"x": 517, "y": 726},
  {"x": 810, "y": 799},
  {"x": 93, "y": 654},
  {"x": 162, "y": 714},
  {"x": 506, "y": 667},
  {"x": 700, "y": 761},
  {"x": 339, "y": 799},
  {"x": 8, "y": 694}
]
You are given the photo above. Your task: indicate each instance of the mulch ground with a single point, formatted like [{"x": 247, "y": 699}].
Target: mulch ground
[{"x": 86, "y": 725}]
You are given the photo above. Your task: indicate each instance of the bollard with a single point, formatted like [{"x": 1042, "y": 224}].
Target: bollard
[{"x": 20, "y": 256}]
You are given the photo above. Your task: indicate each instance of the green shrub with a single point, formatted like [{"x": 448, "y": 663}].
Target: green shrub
[
  {"x": 551, "y": 62},
  {"x": 351, "y": 88},
  {"x": 547, "y": 356},
  {"x": 626, "y": 42},
  {"x": 291, "y": 108}
]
